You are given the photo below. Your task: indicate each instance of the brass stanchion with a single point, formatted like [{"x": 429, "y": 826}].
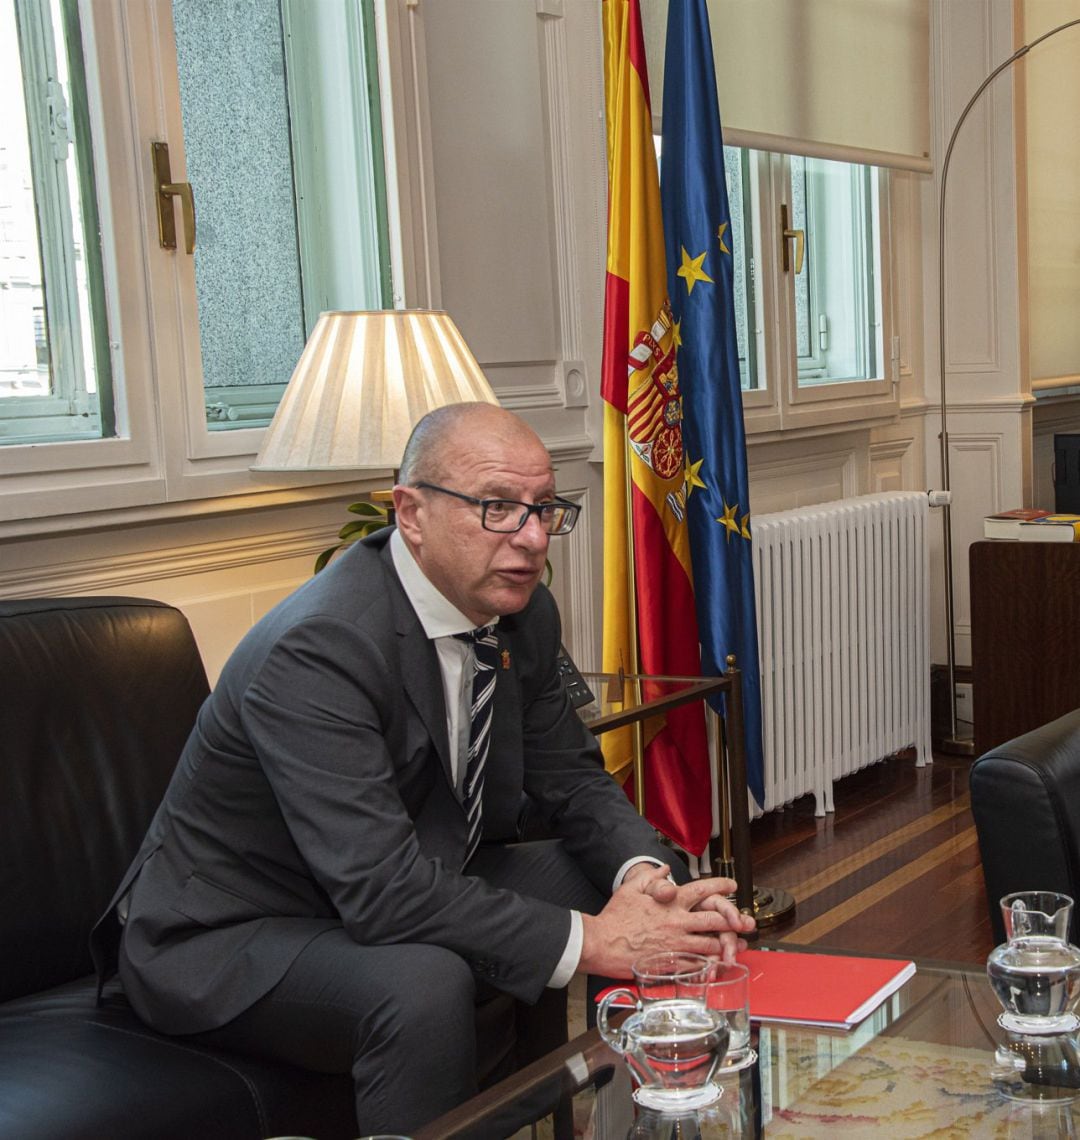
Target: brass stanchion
[{"x": 768, "y": 905}]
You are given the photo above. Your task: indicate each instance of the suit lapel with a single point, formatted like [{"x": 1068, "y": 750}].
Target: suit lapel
[{"x": 420, "y": 673}]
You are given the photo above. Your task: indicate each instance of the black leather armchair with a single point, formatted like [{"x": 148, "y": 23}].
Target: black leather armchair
[
  {"x": 97, "y": 696},
  {"x": 1025, "y": 797}
]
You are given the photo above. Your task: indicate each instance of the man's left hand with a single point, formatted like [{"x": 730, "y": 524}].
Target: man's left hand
[{"x": 704, "y": 894}]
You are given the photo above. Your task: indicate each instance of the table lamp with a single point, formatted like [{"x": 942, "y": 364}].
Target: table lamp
[{"x": 363, "y": 381}]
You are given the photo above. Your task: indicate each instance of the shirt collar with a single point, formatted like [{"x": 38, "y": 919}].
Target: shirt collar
[{"x": 439, "y": 616}]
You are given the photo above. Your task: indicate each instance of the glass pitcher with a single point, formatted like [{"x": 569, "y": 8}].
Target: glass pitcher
[{"x": 1036, "y": 973}]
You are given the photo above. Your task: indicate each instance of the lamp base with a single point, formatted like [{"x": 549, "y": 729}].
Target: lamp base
[{"x": 958, "y": 743}]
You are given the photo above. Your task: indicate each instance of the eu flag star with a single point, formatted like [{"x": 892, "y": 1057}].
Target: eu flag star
[
  {"x": 691, "y": 477},
  {"x": 728, "y": 519},
  {"x": 691, "y": 270},
  {"x": 720, "y": 235}
]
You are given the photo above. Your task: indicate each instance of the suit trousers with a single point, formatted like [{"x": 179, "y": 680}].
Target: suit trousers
[{"x": 400, "y": 1018}]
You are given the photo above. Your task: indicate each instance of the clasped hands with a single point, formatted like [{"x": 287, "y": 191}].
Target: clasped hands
[{"x": 650, "y": 913}]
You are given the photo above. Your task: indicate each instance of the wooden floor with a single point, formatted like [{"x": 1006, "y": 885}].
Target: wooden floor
[{"x": 894, "y": 870}]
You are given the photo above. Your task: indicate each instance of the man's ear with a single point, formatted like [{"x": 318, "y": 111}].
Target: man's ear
[{"x": 407, "y": 505}]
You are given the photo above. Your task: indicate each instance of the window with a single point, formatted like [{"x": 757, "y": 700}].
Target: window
[
  {"x": 837, "y": 313},
  {"x": 811, "y": 342},
  {"x": 130, "y": 373},
  {"x": 55, "y": 374},
  {"x": 295, "y": 81}
]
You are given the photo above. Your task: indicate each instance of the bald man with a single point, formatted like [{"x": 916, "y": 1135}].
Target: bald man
[{"x": 333, "y": 870}]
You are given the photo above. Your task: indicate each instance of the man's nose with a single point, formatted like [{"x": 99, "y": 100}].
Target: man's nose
[{"x": 532, "y": 535}]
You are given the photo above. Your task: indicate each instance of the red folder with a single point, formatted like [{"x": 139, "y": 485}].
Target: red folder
[
  {"x": 820, "y": 989},
  {"x": 835, "y": 990}
]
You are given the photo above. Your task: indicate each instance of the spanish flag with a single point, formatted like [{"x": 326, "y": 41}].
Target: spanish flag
[{"x": 646, "y": 541}]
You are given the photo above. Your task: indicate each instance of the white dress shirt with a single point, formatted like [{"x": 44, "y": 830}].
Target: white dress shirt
[{"x": 441, "y": 620}]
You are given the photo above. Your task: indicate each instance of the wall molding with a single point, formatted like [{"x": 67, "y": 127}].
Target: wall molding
[
  {"x": 110, "y": 574},
  {"x": 974, "y": 183},
  {"x": 556, "y": 93},
  {"x": 891, "y": 464},
  {"x": 578, "y": 571},
  {"x": 838, "y": 463},
  {"x": 994, "y": 405},
  {"x": 540, "y": 387},
  {"x": 568, "y": 449}
]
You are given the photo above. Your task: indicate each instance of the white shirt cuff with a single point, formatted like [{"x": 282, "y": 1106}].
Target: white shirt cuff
[
  {"x": 620, "y": 875},
  {"x": 571, "y": 955}
]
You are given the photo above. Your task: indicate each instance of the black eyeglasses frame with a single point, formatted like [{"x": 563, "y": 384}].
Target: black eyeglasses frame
[{"x": 571, "y": 510}]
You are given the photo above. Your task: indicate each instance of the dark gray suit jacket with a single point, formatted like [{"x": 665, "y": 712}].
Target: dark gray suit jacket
[{"x": 315, "y": 792}]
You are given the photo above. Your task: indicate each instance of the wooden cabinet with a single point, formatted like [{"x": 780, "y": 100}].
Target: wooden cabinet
[{"x": 1025, "y": 636}]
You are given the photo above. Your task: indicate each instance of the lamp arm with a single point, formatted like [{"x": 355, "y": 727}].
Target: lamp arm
[
  {"x": 946, "y": 516},
  {"x": 1003, "y": 66}
]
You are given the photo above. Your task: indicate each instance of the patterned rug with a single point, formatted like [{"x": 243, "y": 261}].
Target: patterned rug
[{"x": 894, "y": 1089}]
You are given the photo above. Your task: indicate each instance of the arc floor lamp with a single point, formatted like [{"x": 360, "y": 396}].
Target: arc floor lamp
[{"x": 953, "y": 743}]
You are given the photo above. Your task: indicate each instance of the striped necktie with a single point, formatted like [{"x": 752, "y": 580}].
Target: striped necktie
[{"x": 486, "y": 650}]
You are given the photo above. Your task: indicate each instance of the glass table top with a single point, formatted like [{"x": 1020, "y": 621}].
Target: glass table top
[{"x": 918, "y": 1066}]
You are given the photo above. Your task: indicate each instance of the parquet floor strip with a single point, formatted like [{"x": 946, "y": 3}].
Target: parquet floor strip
[
  {"x": 805, "y": 888},
  {"x": 808, "y": 933}
]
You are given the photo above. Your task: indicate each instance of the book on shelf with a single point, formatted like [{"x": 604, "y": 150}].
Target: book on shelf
[
  {"x": 832, "y": 990},
  {"x": 1051, "y": 528},
  {"x": 835, "y": 990},
  {"x": 1006, "y": 524}
]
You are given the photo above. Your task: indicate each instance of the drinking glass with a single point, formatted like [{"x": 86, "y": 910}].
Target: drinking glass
[
  {"x": 725, "y": 989},
  {"x": 666, "y": 975}
]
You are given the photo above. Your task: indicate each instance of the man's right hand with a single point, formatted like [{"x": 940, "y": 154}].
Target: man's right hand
[{"x": 648, "y": 913}]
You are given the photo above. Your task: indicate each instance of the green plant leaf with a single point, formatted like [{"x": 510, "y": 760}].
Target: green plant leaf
[
  {"x": 364, "y": 508},
  {"x": 354, "y": 530},
  {"x": 373, "y": 520},
  {"x": 325, "y": 557}
]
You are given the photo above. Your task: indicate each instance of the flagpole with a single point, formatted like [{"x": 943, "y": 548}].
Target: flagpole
[{"x": 638, "y": 727}]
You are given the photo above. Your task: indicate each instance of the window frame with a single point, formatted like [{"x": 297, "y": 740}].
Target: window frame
[
  {"x": 781, "y": 405},
  {"x": 164, "y": 451},
  {"x": 69, "y": 411}
]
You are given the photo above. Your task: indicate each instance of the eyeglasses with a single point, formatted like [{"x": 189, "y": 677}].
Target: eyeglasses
[{"x": 508, "y": 516}]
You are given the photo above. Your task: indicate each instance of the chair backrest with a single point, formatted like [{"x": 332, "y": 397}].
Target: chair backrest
[
  {"x": 1025, "y": 797},
  {"x": 97, "y": 697}
]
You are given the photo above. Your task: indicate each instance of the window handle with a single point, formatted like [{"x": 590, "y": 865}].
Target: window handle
[
  {"x": 166, "y": 190},
  {"x": 786, "y": 234}
]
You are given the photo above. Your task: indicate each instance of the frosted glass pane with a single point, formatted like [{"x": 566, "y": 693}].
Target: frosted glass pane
[{"x": 236, "y": 136}]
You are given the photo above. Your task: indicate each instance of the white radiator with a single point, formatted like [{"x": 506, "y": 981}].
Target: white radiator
[{"x": 843, "y": 641}]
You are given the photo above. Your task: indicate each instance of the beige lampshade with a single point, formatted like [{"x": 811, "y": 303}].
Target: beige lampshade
[{"x": 363, "y": 381}]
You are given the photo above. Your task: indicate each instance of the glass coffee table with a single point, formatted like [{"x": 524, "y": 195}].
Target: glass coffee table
[{"x": 918, "y": 1066}]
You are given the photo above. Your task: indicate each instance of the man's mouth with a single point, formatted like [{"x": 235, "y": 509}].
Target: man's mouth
[{"x": 520, "y": 573}]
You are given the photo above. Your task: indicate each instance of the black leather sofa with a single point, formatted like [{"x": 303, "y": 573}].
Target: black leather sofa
[
  {"x": 97, "y": 696},
  {"x": 1025, "y": 797}
]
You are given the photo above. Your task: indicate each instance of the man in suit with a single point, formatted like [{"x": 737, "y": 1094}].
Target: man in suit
[{"x": 332, "y": 872}]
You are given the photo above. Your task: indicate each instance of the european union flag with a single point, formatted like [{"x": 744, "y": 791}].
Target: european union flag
[{"x": 697, "y": 230}]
